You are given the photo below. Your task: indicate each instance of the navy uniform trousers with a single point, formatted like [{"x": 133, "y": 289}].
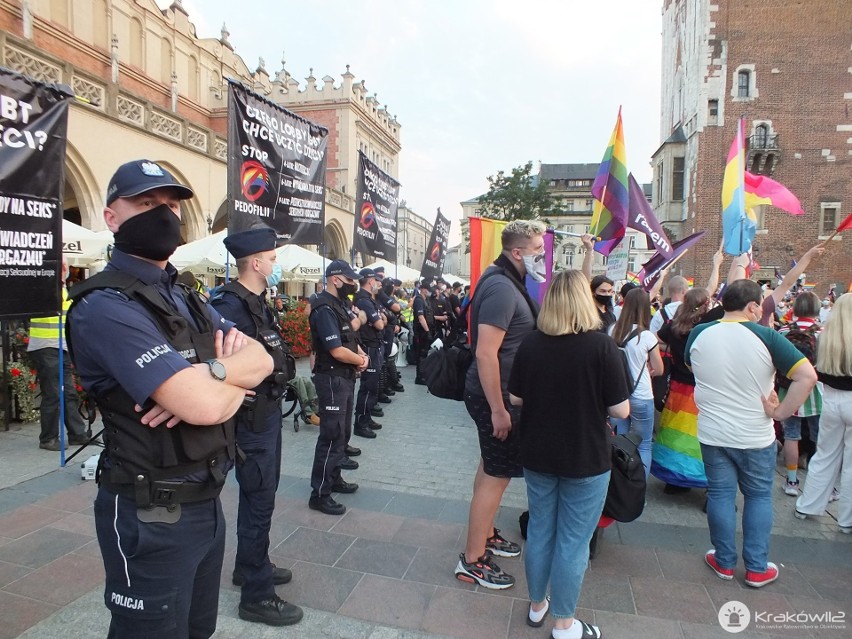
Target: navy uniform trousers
[
  {"x": 258, "y": 476},
  {"x": 162, "y": 579},
  {"x": 368, "y": 390},
  {"x": 335, "y": 395}
]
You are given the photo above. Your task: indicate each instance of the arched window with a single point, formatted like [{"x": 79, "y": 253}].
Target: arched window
[
  {"x": 136, "y": 43},
  {"x": 743, "y": 84}
]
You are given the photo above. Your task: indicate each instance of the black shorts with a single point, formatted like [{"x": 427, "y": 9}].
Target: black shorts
[{"x": 499, "y": 458}]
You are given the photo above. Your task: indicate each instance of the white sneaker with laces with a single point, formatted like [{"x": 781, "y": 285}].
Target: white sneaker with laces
[
  {"x": 834, "y": 495},
  {"x": 791, "y": 487}
]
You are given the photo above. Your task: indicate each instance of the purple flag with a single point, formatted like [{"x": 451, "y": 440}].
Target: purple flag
[
  {"x": 641, "y": 217},
  {"x": 650, "y": 272}
]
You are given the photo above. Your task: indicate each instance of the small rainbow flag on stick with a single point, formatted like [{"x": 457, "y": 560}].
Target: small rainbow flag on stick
[{"x": 611, "y": 193}]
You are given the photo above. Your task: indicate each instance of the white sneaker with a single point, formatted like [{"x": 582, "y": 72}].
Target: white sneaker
[
  {"x": 791, "y": 487},
  {"x": 834, "y": 495},
  {"x": 846, "y": 530}
]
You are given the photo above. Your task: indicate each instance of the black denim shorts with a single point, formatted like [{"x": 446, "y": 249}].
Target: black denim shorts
[{"x": 499, "y": 458}]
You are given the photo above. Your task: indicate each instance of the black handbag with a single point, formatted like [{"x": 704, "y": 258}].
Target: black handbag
[{"x": 625, "y": 498}]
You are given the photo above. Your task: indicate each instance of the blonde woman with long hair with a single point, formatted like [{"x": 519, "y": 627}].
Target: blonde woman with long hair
[
  {"x": 833, "y": 456},
  {"x": 568, "y": 378}
]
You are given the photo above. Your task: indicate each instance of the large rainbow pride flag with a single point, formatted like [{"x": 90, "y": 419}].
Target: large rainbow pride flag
[
  {"x": 611, "y": 193},
  {"x": 485, "y": 246}
]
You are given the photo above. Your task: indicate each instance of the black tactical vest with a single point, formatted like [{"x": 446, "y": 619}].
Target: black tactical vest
[
  {"x": 368, "y": 335},
  {"x": 323, "y": 361},
  {"x": 134, "y": 450}
]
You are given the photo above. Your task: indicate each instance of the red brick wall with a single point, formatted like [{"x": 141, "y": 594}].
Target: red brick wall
[
  {"x": 809, "y": 43},
  {"x": 329, "y": 119}
]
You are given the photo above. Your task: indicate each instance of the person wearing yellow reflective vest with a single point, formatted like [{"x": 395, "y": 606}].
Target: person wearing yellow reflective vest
[{"x": 43, "y": 350}]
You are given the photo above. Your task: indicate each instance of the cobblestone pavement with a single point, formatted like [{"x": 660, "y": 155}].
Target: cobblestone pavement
[{"x": 384, "y": 570}]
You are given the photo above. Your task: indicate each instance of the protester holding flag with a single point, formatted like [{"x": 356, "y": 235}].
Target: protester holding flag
[
  {"x": 601, "y": 285},
  {"x": 677, "y": 453}
]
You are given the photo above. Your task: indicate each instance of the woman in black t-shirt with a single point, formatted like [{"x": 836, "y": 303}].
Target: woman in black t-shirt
[
  {"x": 567, "y": 377},
  {"x": 677, "y": 454}
]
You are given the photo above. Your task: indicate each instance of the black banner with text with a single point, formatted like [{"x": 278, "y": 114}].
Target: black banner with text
[
  {"x": 276, "y": 168},
  {"x": 33, "y": 131},
  {"x": 376, "y": 207},
  {"x": 436, "y": 250}
]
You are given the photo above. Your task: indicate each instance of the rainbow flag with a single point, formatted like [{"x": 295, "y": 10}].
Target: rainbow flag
[
  {"x": 611, "y": 193},
  {"x": 485, "y": 247},
  {"x": 760, "y": 189},
  {"x": 739, "y": 224}
]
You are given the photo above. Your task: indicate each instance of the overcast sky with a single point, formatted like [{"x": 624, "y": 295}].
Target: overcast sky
[{"x": 477, "y": 85}]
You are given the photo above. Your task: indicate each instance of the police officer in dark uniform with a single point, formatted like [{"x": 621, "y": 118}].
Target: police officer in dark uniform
[
  {"x": 337, "y": 361},
  {"x": 390, "y": 377},
  {"x": 168, "y": 373},
  {"x": 440, "y": 308},
  {"x": 424, "y": 327},
  {"x": 258, "y": 427},
  {"x": 371, "y": 337}
]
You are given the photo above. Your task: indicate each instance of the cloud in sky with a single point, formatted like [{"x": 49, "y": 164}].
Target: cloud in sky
[{"x": 478, "y": 86}]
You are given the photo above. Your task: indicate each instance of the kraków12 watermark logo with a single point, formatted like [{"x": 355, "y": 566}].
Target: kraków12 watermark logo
[{"x": 735, "y": 616}]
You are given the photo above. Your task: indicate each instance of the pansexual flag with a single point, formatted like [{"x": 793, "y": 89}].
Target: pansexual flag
[
  {"x": 760, "y": 189},
  {"x": 611, "y": 193},
  {"x": 738, "y": 223}
]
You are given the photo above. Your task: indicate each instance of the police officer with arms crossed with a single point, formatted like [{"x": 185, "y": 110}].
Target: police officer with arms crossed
[
  {"x": 371, "y": 336},
  {"x": 424, "y": 326},
  {"x": 168, "y": 373},
  {"x": 337, "y": 360},
  {"x": 258, "y": 428}
]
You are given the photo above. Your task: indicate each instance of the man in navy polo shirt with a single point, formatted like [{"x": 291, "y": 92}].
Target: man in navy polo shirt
[{"x": 168, "y": 373}]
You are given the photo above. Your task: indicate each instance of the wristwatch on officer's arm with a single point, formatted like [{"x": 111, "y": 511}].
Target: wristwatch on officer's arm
[{"x": 217, "y": 369}]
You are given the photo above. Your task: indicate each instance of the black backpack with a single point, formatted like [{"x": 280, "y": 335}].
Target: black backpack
[
  {"x": 805, "y": 341},
  {"x": 625, "y": 497},
  {"x": 444, "y": 370},
  {"x": 660, "y": 383}
]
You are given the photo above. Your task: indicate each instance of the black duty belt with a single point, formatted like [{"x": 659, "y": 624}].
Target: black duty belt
[
  {"x": 342, "y": 370},
  {"x": 148, "y": 493}
]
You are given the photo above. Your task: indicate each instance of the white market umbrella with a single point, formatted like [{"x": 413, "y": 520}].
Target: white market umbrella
[
  {"x": 205, "y": 256},
  {"x": 80, "y": 246},
  {"x": 299, "y": 263},
  {"x": 403, "y": 273},
  {"x": 452, "y": 279}
]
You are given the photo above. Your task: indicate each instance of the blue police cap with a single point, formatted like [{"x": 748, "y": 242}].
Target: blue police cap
[
  {"x": 139, "y": 176},
  {"x": 379, "y": 271},
  {"x": 366, "y": 273},
  {"x": 341, "y": 267},
  {"x": 256, "y": 240}
]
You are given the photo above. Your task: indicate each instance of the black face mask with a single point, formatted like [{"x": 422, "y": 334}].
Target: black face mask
[
  {"x": 345, "y": 290},
  {"x": 606, "y": 300},
  {"x": 154, "y": 234}
]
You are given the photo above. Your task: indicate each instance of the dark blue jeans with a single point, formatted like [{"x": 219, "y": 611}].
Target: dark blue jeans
[
  {"x": 162, "y": 580},
  {"x": 46, "y": 362}
]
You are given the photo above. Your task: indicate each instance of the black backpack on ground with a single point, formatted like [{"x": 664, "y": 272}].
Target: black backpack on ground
[{"x": 445, "y": 369}]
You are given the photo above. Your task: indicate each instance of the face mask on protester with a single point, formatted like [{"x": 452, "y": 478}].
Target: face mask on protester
[
  {"x": 535, "y": 266},
  {"x": 606, "y": 300},
  {"x": 154, "y": 234}
]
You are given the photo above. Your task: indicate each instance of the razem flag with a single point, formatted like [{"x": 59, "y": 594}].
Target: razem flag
[
  {"x": 276, "y": 168},
  {"x": 436, "y": 250},
  {"x": 376, "y": 209},
  {"x": 641, "y": 217},
  {"x": 651, "y": 270},
  {"x": 33, "y": 126}
]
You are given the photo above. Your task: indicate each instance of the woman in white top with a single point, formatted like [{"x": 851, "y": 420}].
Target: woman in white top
[{"x": 631, "y": 333}]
